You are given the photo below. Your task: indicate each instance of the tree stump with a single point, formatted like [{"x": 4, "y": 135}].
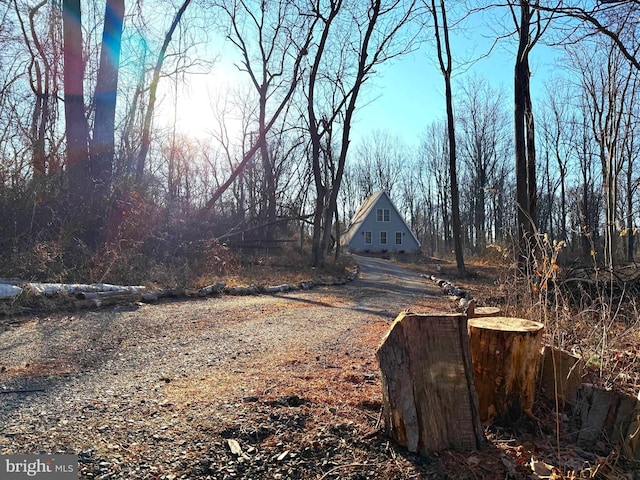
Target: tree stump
[
  {"x": 560, "y": 374},
  {"x": 427, "y": 382},
  {"x": 486, "y": 312},
  {"x": 505, "y": 353},
  {"x": 631, "y": 445},
  {"x": 605, "y": 416}
]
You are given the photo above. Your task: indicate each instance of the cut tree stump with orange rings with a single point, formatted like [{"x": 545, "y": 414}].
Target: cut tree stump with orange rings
[{"x": 505, "y": 354}]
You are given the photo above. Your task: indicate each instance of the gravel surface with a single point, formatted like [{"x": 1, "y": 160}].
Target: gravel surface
[{"x": 284, "y": 386}]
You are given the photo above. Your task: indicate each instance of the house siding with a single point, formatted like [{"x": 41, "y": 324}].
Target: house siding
[{"x": 356, "y": 242}]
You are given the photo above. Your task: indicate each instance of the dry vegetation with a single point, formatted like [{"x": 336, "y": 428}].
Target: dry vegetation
[
  {"x": 298, "y": 412},
  {"x": 585, "y": 309}
]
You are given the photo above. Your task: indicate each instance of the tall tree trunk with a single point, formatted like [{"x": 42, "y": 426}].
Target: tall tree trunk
[
  {"x": 103, "y": 144},
  {"x": 315, "y": 134},
  {"x": 524, "y": 138},
  {"x": 269, "y": 187},
  {"x": 41, "y": 79},
  {"x": 629, "y": 226},
  {"x": 153, "y": 90},
  {"x": 39, "y": 122},
  {"x": 444, "y": 58},
  {"x": 455, "y": 195},
  {"x": 376, "y": 9},
  {"x": 76, "y": 125}
]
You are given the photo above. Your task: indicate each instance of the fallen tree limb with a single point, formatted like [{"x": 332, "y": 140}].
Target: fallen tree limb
[{"x": 26, "y": 390}]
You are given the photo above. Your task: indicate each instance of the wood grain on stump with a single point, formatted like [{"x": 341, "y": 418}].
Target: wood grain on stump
[
  {"x": 505, "y": 352},
  {"x": 427, "y": 381}
]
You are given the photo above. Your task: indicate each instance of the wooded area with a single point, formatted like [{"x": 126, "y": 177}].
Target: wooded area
[{"x": 97, "y": 176}]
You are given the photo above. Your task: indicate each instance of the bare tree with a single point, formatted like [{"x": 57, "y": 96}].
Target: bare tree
[
  {"x": 529, "y": 29},
  {"x": 588, "y": 192},
  {"x": 289, "y": 47},
  {"x": 446, "y": 64},
  {"x": 266, "y": 36},
  {"x": 367, "y": 35},
  {"x": 614, "y": 19},
  {"x": 559, "y": 128},
  {"x": 436, "y": 182},
  {"x": 42, "y": 45},
  {"x": 378, "y": 163},
  {"x": 76, "y": 125},
  {"x": 483, "y": 141},
  {"x": 153, "y": 90},
  {"x": 632, "y": 179},
  {"x": 105, "y": 96},
  {"x": 608, "y": 87}
]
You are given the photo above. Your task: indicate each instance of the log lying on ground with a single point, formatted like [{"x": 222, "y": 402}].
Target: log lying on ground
[
  {"x": 429, "y": 397},
  {"x": 505, "y": 353},
  {"x": 213, "y": 289},
  {"x": 242, "y": 290},
  {"x": 9, "y": 291},
  {"x": 480, "y": 312},
  {"x": 50, "y": 289},
  {"x": 448, "y": 288},
  {"x": 101, "y": 299},
  {"x": 280, "y": 288}
]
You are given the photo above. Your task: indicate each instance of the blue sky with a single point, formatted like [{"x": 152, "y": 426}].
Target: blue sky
[{"x": 409, "y": 94}]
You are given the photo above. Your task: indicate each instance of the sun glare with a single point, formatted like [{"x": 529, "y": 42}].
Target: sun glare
[{"x": 196, "y": 110}]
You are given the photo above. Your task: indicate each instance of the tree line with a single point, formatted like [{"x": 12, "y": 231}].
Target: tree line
[{"x": 88, "y": 165}]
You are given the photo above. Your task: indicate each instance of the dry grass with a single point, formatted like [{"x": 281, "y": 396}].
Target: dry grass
[{"x": 595, "y": 323}]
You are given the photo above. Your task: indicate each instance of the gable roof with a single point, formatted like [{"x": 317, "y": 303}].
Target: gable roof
[{"x": 363, "y": 212}]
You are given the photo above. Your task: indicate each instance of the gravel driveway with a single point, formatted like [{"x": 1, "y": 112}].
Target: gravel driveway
[{"x": 279, "y": 386}]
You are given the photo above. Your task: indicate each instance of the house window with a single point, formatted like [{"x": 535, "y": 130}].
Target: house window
[
  {"x": 367, "y": 238},
  {"x": 383, "y": 238},
  {"x": 398, "y": 238},
  {"x": 382, "y": 214}
]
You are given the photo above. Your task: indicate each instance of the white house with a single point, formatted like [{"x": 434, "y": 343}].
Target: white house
[{"x": 378, "y": 227}]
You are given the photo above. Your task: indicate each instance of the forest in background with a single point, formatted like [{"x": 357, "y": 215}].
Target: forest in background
[{"x": 93, "y": 187}]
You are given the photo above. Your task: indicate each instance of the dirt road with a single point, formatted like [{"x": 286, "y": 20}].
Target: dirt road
[{"x": 157, "y": 391}]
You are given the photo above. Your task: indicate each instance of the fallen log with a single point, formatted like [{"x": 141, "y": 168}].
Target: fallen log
[
  {"x": 101, "y": 299},
  {"x": 480, "y": 312},
  {"x": 429, "y": 399},
  {"x": 50, "y": 289},
  {"x": 279, "y": 288},
  {"x": 9, "y": 291},
  {"x": 241, "y": 290},
  {"x": 307, "y": 285},
  {"x": 214, "y": 289}
]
